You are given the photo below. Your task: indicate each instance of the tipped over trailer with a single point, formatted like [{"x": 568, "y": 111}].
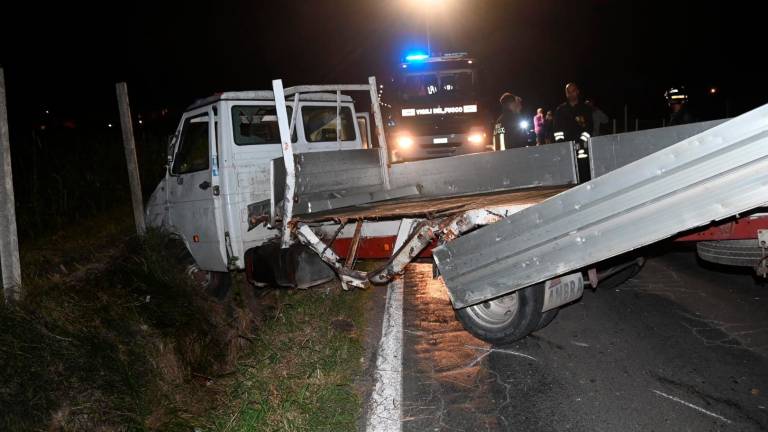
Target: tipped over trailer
[{"x": 514, "y": 234}]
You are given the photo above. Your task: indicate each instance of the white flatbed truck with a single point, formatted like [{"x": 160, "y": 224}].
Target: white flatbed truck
[{"x": 258, "y": 177}]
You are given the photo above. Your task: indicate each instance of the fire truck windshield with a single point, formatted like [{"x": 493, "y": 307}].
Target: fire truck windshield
[{"x": 428, "y": 85}]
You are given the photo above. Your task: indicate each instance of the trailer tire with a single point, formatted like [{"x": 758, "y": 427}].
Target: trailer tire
[
  {"x": 619, "y": 277},
  {"x": 508, "y": 318},
  {"x": 739, "y": 253},
  {"x": 547, "y": 318}
]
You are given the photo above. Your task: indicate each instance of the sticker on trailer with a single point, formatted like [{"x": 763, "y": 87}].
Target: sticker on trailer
[
  {"x": 214, "y": 166},
  {"x": 562, "y": 290}
]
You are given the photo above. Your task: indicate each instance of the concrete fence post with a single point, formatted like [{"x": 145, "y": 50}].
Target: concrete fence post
[{"x": 10, "y": 266}]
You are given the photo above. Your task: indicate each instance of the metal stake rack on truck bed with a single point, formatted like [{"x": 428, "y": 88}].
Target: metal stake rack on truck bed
[{"x": 508, "y": 220}]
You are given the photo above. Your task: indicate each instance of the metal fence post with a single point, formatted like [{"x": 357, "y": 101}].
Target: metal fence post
[
  {"x": 130, "y": 156},
  {"x": 10, "y": 266},
  {"x": 626, "y": 119}
]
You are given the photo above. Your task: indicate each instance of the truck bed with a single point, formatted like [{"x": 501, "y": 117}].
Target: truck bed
[{"x": 433, "y": 206}]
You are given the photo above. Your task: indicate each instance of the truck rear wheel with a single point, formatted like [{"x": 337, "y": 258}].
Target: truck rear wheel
[{"x": 509, "y": 318}]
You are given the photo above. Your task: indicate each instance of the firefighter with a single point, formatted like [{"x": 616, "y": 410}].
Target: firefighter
[
  {"x": 573, "y": 122},
  {"x": 508, "y": 131},
  {"x": 677, "y": 99}
]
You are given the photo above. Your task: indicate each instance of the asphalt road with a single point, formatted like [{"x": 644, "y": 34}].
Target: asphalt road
[{"x": 677, "y": 348}]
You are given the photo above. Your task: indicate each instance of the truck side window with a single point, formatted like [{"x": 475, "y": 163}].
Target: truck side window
[
  {"x": 193, "y": 153},
  {"x": 254, "y": 125},
  {"x": 320, "y": 123}
]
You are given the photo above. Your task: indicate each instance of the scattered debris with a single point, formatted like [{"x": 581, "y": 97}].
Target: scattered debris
[
  {"x": 690, "y": 405},
  {"x": 490, "y": 350}
]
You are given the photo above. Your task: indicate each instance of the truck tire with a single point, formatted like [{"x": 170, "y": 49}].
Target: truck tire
[
  {"x": 509, "y": 318},
  {"x": 618, "y": 278},
  {"x": 215, "y": 284},
  {"x": 739, "y": 253}
]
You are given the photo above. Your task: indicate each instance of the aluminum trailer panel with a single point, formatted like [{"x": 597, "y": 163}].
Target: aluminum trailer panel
[
  {"x": 527, "y": 167},
  {"x": 609, "y": 152},
  {"x": 713, "y": 175}
]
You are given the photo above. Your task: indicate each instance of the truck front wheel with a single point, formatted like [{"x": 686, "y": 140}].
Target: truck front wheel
[
  {"x": 508, "y": 318},
  {"x": 215, "y": 284}
]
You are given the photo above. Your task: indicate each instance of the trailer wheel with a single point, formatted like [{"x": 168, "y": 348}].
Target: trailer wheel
[
  {"x": 614, "y": 280},
  {"x": 509, "y": 318},
  {"x": 547, "y": 318},
  {"x": 740, "y": 253}
]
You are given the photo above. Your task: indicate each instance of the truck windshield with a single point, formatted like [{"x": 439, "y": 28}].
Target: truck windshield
[
  {"x": 254, "y": 125},
  {"x": 426, "y": 85}
]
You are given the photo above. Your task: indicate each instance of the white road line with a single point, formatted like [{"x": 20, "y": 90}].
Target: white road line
[
  {"x": 690, "y": 405},
  {"x": 385, "y": 411}
]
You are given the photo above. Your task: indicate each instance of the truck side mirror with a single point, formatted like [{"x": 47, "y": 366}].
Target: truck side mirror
[{"x": 169, "y": 150}]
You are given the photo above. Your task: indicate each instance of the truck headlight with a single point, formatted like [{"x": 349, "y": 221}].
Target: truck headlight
[
  {"x": 404, "y": 142},
  {"x": 476, "y": 138}
]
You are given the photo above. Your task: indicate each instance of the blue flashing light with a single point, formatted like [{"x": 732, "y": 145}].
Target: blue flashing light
[{"x": 417, "y": 56}]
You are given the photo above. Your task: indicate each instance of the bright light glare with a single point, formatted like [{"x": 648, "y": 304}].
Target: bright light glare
[
  {"x": 476, "y": 138},
  {"x": 524, "y": 125},
  {"x": 416, "y": 57},
  {"x": 404, "y": 142}
]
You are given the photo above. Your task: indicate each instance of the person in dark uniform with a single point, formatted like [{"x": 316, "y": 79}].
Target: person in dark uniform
[
  {"x": 573, "y": 122},
  {"x": 677, "y": 100},
  {"x": 507, "y": 132}
]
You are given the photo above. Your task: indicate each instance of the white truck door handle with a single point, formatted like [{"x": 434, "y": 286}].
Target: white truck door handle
[{"x": 204, "y": 185}]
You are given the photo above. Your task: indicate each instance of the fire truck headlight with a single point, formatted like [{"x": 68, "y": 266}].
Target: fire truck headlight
[
  {"x": 404, "y": 142},
  {"x": 476, "y": 138},
  {"x": 524, "y": 125}
]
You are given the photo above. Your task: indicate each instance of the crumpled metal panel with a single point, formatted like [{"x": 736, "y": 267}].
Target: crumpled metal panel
[{"x": 710, "y": 176}]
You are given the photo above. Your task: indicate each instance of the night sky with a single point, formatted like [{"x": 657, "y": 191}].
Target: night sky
[{"x": 66, "y": 57}]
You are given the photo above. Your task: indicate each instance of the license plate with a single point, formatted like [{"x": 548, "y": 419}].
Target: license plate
[
  {"x": 439, "y": 140},
  {"x": 562, "y": 290}
]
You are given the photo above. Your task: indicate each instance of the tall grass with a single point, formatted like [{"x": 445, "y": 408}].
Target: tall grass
[{"x": 114, "y": 346}]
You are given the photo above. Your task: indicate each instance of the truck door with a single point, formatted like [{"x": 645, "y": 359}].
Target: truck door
[{"x": 195, "y": 207}]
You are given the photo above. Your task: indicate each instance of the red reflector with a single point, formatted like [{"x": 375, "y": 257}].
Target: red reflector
[{"x": 196, "y": 238}]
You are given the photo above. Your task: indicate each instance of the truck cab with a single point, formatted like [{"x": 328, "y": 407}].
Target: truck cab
[{"x": 220, "y": 160}]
